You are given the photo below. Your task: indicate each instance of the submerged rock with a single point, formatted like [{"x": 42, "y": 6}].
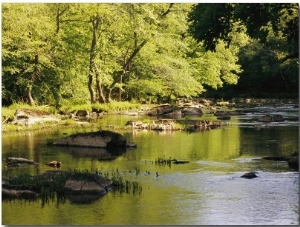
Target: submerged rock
[
  {"x": 100, "y": 139},
  {"x": 279, "y": 159},
  {"x": 17, "y": 161},
  {"x": 18, "y": 194},
  {"x": 271, "y": 118},
  {"x": 249, "y": 175},
  {"x": 55, "y": 164},
  {"x": 293, "y": 161},
  {"x": 266, "y": 118}
]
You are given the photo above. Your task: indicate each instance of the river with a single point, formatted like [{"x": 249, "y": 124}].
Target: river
[{"x": 206, "y": 191}]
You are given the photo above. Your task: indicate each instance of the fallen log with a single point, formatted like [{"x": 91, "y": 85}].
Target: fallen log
[{"x": 16, "y": 161}]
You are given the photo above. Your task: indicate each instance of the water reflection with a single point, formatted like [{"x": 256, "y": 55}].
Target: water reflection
[{"x": 207, "y": 190}]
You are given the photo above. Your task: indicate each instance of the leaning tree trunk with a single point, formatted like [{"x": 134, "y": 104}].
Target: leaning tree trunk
[
  {"x": 137, "y": 48},
  {"x": 31, "y": 82},
  {"x": 121, "y": 74},
  {"x": 29, "y": 96}
]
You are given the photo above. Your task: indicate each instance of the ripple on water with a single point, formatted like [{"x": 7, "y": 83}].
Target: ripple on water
[{"x": 226, "y": 198}]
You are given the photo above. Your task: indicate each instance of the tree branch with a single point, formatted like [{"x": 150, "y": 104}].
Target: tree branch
[{"x": 168, "y": 10}]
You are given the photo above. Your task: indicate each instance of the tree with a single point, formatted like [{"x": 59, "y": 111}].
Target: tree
[
  {"x": 275, "y": 28},
  {"x": 27, "y": 54}
]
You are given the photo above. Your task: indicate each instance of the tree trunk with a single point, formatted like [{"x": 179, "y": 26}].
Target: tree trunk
[
  {"x": 93, "y": 53},
  {"x": 31, "y": 82},
  {"x": 120, "y": 89},
  {"x": 29, "y": 96},
  {"x": 59, "y": 13},
  {"x": 121, "y": 74},
  {"x": 101, "y": 97},
  {"x": 90, "y": 86}
]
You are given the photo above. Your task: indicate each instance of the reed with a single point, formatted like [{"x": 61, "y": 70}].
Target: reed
[{"x": 51, "y": 188}]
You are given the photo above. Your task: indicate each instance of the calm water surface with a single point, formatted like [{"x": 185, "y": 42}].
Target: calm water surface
[{"x": 208, "y": 190}]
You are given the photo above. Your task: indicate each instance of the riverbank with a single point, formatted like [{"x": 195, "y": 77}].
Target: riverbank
[{"x": 77, "y": 116}]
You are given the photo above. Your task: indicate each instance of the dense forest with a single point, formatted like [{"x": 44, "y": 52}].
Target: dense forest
[{"x": 95, "y": 53}]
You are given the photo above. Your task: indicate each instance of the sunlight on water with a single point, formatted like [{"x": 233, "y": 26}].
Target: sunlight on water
[{"x": 206, "y": 191}]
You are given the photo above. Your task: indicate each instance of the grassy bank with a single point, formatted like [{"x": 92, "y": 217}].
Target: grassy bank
[{"x": 8, "y": 114}]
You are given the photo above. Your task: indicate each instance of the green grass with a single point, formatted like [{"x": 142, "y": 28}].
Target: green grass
[
  {"x": 11, "y": 110},
  {"x": 111, "y": 107}
]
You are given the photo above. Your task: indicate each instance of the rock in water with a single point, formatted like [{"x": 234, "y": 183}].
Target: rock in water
[
  {"x": 293, "y": 161},
  {"x": 249, "y": 175},
  {"x": 100, "y": 139},
  {"x": 89, "y": 184}
]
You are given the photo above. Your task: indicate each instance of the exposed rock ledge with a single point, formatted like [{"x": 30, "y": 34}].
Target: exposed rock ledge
[
  {"x": 26, "y": 116},
  {"x": 100, "y": 139}
]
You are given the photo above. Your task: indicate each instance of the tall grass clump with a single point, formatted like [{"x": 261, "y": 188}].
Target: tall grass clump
[
  {"x": 74, "y": 108},
  {"x": 122, "y": 106},
  {"x": 111, "y": 107},
  {"x": 115, "y": 106}
]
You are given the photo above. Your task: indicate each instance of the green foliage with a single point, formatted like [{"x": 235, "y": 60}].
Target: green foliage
[
  {"x": 268, "y": 60},
  {"x": 52, "y": 52}
]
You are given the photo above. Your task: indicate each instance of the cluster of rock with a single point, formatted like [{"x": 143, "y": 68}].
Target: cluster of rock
[
  {"x": 77, "y": 186},
  {"x": 18, "y": 194},
  {"x": 85, "y": 115},
  {"x": 271, "y": 118},
  {"x": 292, "y": 160},
  {"x": 19, "y": 161},
  {"x": 26, "y": 116},
  {"x": 161, "y": 125},
  {"x": 172, "y": 111},
  {"x": 172, "y": 124}
]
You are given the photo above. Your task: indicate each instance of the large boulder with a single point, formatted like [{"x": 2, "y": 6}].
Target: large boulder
[
  {"x": 190, "y": 110},
  {"x": 100, "y": 139},
  {"x": 86, "y": 188},
  {"x": 160, "y": 110}
]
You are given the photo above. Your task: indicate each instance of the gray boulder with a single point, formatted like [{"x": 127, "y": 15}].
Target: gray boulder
[
  {"x": 192, "y": 111},
  {"x": 91, "y": 184},
  {"x": 160, "y": 110},
  {"x": 100, "y": 139}
]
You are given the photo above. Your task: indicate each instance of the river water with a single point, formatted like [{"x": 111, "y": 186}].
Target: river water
[{"x": 206, "y": 191}]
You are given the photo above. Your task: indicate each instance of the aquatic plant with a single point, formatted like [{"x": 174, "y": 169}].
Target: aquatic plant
[
  {"x": 51, "y": 185},
  {"x": 121, "y": 185}
]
